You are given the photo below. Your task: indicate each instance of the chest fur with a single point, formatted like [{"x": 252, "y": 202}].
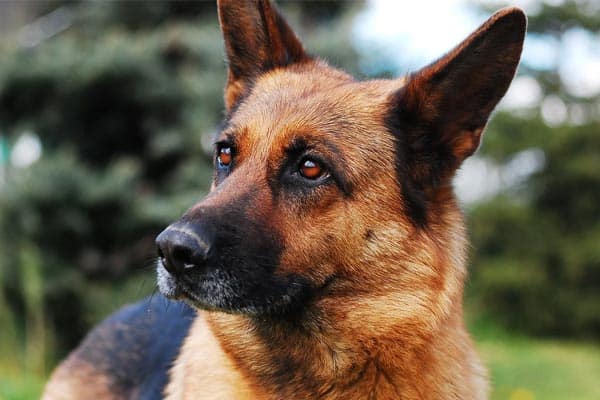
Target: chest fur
[{"x": 204, "y": 371}]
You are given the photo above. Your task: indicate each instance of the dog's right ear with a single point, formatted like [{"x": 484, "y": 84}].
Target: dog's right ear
[{"x": 257, "y": 39}]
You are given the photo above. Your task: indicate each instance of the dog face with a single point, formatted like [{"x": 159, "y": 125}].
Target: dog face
[{"x": 330, "y": 190}]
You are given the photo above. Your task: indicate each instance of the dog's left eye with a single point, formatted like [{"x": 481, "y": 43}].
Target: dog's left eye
[{"x": 311, "y": 169}]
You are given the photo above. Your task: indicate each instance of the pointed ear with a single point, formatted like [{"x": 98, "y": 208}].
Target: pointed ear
[
  {"x": 257, "y": 39},
  {"x": 440, "y": 113}
]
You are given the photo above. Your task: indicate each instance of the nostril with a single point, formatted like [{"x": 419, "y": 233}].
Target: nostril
[
  {"x": 182, "y": 255},
  {"x": 164, "y": 261}
]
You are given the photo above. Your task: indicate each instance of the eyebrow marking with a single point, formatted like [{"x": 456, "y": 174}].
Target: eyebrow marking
[{"x": 231, "y": 134}]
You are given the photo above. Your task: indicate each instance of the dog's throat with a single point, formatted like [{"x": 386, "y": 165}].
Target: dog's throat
[{"x": 299, "y": 360}]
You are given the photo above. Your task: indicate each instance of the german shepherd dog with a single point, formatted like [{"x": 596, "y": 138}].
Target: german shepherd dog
[{"x": 328, "y": 259}]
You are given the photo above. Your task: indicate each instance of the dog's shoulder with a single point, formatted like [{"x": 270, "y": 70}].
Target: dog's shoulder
[{"x": 128, "y": 355}]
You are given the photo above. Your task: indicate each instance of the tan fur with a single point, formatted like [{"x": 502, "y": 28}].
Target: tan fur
[
  {"x": 219, "y": 378},
  {"x": 75, "y": 379}
]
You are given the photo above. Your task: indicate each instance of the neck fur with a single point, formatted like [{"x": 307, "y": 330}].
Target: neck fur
[{"x": 319, "y": 360}]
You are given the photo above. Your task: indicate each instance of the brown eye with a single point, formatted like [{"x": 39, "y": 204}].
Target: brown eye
[
  {"x": 311, "y": 169},
  {"x": 224, "y": 156}
]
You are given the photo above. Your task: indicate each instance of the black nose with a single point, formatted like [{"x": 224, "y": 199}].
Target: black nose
[{"x": 182, "y": 247}]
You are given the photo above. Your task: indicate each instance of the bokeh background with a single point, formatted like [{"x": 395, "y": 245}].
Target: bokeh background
[{"x": 107, "y": 110}]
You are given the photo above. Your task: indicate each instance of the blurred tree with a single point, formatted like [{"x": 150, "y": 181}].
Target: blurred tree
[
  {"x": 124, "y": 97},
  {"x": 537, "y": 246}
]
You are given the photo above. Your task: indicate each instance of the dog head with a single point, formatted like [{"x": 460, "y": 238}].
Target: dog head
[{"x": 328, "y": 190}]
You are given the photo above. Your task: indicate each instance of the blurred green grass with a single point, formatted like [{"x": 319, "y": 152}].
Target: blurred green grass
[
  {"x": 526, "y": 368},
  {"x": 534, "y": 369},
  {"x": 15, "y": 386},
  {"x": 521, "y": 368}
]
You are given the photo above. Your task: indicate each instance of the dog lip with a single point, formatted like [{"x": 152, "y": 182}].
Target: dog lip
[
  {"x": 177, "y": 289},
  {"x": 180, "y": 288},
  {"x": 188, "y": 295},
  {"x": 168, "y": 285}
]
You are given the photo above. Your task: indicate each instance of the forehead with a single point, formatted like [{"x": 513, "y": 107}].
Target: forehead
[{"x": 314, "y": 102}]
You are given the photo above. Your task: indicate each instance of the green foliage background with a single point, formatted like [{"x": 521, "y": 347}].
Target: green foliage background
[
  {"x": 125, "y": 101},
  {"x": 536, "y": 246}
]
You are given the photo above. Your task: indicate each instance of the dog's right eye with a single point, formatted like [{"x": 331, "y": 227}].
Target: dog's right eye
[{"x": 224, "y": 156}]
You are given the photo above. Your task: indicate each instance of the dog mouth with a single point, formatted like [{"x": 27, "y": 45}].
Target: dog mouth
[
  {"x": 173, "y": 287},
  {"x": 226, "y": 291}
]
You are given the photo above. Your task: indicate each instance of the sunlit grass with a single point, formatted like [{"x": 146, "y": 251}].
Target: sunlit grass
[
  {"x": 523, "y": 368},
  {"x": 527, "y": 369},
  {"x": 19, "y": 386}
]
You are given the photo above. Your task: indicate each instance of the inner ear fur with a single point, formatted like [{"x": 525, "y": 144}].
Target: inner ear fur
[
  {"x": 257, "y": 39},
  {"x": 438, "y": 116}
]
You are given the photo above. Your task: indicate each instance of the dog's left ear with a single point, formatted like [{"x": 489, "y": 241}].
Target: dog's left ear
[
  {"x": 438, "y": 116},
  {"x": 257, "y": 39}
]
